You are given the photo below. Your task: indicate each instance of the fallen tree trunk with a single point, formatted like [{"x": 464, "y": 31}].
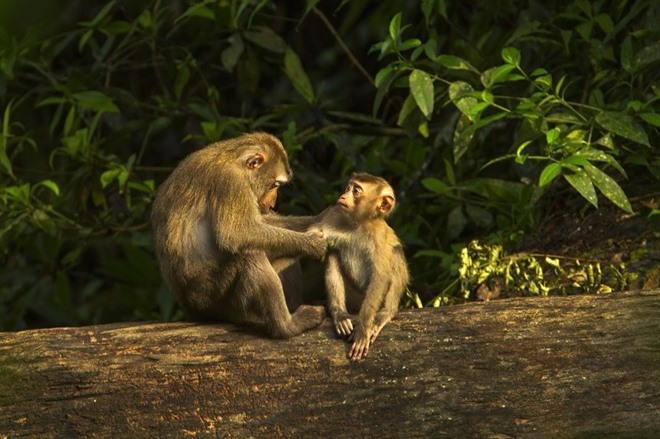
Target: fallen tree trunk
[{"x": 546, "y": 367}]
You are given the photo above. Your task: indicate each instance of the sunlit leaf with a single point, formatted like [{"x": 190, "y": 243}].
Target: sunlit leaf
[
  {"x": 395, "y": 26},
  {"x": 549, "y": 173},
  {"x": 421, "y": 88},
  {"x": 511, "y": 55},
  {"x": 609, "y": 187},
  {"x": 50, "y": 184},
  {"x": 459, "y": 93},
  {"x": 581, "y": 182}
]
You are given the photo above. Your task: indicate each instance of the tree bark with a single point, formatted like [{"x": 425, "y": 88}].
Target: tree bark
[{"x": 581, "y": 366}]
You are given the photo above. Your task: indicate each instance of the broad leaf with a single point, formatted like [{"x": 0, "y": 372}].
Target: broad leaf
[
  {"x": 421, "y": 87},
  {"x": 459, "y": 94},
  {"x": 581, "y": 182},
  {"x": 294, "y": 70},
  {"x": 609, "y": 187},
  {"x": 549, "y": 173},
  {"x": 434, "y": 185},
  {"x": 623, "y": 125}
]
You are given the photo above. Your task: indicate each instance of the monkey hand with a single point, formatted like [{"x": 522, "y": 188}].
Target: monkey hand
[
  {"x": 317, "y": 244},
  {"x": 361, "y": 342},
  {"x": 344, "y": 323}
]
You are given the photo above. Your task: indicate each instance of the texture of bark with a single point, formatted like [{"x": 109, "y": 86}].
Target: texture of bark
[{"x": 582, "y": 366}]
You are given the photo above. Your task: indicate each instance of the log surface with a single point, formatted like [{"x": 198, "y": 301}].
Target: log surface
[{"x": 581, "y": 366}]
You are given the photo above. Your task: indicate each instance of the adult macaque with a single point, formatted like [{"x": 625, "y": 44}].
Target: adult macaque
[
  {"x": 366, "y": 270},
  {"x": 218, "y": 255}
]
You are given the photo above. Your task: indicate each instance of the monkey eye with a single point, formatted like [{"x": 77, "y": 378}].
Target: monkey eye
[
  {"x": 357, "y": 191},
  {"x": 276, "y": 185}
]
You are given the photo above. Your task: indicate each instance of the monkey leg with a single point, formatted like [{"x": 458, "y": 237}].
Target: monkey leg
[
  {"x": 290, "y": 273},
  {"x": 260, "y": 286}
]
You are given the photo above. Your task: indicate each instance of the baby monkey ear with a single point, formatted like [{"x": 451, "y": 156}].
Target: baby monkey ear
[
  {"x": 386, "y": 205},
  {"x": 255, "y": 161}
]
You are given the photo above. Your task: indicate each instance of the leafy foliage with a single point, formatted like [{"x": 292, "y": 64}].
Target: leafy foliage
[{"x": 479, "y": 113}]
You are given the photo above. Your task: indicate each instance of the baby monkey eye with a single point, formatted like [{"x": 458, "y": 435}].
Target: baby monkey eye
[{"x": 357, "y": 191}]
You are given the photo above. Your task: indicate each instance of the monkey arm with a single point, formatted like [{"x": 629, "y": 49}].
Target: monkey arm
[
  {"x": 336, "y": 290},
  {"x": 297, "y": 223}
]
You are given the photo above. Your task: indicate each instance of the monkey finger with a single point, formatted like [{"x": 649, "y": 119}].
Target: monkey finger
[
  {"x": 374, "y": 334},
  {"x": 359, "y": 350},
  {"x": 347, "y": 326}
]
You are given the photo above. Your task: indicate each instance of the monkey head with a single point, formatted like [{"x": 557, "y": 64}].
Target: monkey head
[
  {"x": 267, "y": 167},
  {"x": 367, "y": 197}
]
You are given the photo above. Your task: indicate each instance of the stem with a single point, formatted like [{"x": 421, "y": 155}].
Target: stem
[{"x": 339, "y": 40}]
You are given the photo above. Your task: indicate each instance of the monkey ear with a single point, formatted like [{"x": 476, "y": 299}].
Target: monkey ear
[
  {"x": 386, "y": 204},
  {"x": 255, "y": 161}
]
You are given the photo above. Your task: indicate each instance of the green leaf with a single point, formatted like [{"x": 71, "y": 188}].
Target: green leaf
[
  {"x": 395, "y": 26},
  {"x": 498, "y": 74},
  {"x": 42, "y": 220},
  {"x": 408, "y": 107},
  {"x": 267, "y": 39},
  {"x": 459, "y": 93},
  {"x": 462, "y": 137},
  {"x": 182, "y": 77},
  {"x": 605, "y": 22},
  {"x": 455, "y": 63},
  {"x": 651, "y": 118},
  {"x": 5, "y": 164},
  {"x": 627, "y": 55},
  {"x": 409, "y": 44},
  {"x": 596, "y": 155},
  {"x": 421, "y": 87},
  {"x": 230, "y": 56},
  {"x": 552, "y": 136},
  {"x": 623, "y": 125},
  {"x": 456, "y": 222},
  {"x": 50, "y": 184},
  {"x": 647, "y": 55},
  {"x": 198, "y": 10},
  {"x": 95, "y": 100},
  {"x": 383, "y": 74},
  {"x": 294, "y": 70},
  {"x": 20, "y": 193},
  {"x": 435, "y": 185},
  {"x": 609, "y": 187},
  {"x": 449, "y": 171},
  {"x": 549, "y": 173},
  {"x": 581, "y": 182},
  {"x": 511, "y": 55},
  {"x": 109, "y": 176}
]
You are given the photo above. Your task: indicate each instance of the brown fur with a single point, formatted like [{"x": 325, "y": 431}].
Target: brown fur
[
  {"x": 366, "y": 269},
  {"x": 215, "y": 249}
]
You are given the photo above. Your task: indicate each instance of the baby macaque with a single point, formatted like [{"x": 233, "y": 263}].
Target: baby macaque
[{"x": 366, "y": 271}]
